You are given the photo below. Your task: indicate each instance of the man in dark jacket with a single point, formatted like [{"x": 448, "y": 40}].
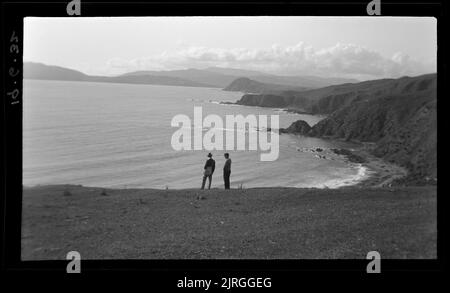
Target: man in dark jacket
[
  {"x": 227, "y": 171},
  {"x": 209, "y": 168}
]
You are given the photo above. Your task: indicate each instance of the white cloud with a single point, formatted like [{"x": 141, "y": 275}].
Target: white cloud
[{"x": 345, "y": 60}]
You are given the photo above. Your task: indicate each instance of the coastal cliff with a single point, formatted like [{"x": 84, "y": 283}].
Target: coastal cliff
[
  {"x": 331, "y": 98},
  {"x": 265, "y": 100},
  {"x": 400, "y": 119}
]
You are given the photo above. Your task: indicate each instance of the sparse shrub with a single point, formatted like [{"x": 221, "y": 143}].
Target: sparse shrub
[{"x": 67, "y": 192}]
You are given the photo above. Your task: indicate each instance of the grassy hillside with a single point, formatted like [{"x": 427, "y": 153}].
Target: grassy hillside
[{"x": 260, "y": 223}]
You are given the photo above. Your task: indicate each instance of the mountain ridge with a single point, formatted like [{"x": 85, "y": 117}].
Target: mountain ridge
[
  {"x": 210, "y": 77},
  {"x": 41, "y": 71}
]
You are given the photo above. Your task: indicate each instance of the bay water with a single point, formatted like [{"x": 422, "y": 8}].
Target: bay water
[{"x": 119, "y": 136}]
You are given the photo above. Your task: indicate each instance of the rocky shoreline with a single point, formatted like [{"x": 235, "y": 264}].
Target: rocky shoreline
[{"x": 379, "y": 172}]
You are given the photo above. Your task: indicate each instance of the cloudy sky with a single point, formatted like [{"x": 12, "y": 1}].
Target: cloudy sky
[{"x": 357, "y": 47}]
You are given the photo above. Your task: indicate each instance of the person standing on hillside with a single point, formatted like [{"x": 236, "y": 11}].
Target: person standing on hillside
[
  {"x": 209, "y": 168},
  {"x": 227, "y": 170}
]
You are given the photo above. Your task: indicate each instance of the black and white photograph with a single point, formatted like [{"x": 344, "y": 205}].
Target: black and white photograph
[{"x": 229, "y": 137}]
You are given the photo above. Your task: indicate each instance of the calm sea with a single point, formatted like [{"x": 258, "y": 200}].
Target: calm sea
[{"x": 119, "y": 135}]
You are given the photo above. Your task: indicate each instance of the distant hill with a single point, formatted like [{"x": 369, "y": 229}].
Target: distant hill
[
  {"x": 236, "y": 72},
  {"x": 398, "y": 115},
  {"x": 209, "y": 77},
  {"x": 33, "y": 70},
  {"x": 212, "y": 79},
  {"x": 149, "y": 79},
  {"x": 303, "y": 81},
  {"x": 224, "y": 77},
  {"x": 247, "y": 85}
]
